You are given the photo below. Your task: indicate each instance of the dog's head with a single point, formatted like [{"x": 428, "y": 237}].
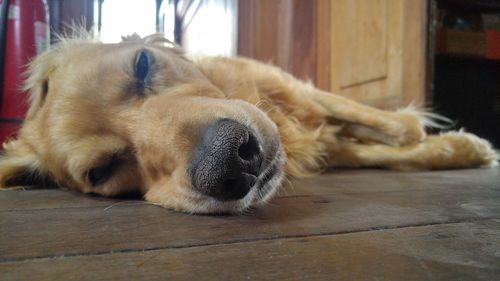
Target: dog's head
[{"x": 139, "y": 116}]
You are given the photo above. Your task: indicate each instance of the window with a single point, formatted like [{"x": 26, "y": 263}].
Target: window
[
  {"x": 212, "y": 29},
  {"x": 203, "y": 26},
  {"x": 120, "y": 18}
]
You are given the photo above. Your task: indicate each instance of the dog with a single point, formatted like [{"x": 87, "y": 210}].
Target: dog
[{"x": 204, "y": 134}]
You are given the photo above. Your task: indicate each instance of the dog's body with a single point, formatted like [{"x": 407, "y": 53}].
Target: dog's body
[{"x": 206, "y": 134}]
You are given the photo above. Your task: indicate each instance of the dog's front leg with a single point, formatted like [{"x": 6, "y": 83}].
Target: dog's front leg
[
  {"x": 445, "y": 151},
  {"x": 371, "y": 124}
]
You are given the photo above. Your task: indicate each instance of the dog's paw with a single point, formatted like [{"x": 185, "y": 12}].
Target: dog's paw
[
  {"x": 458, "y": 150},
  {"x": 451, "y": 150},
  {"x": 405, "y": 128},
  {"x": 471, "y": 150},
  {"x": 398, "y": 129}
]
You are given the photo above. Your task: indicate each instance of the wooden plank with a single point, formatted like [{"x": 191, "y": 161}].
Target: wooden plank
[
  {"x": 281, "y": 32},
  {"x": 356, "y": 181},
  {"x": 303, "y": 40},
  {"x": 343, "y": 182},
  {"x": 462, "y": 251},
  {"x": 53, "y": 232},
  {"x": 49, "y": 199}
]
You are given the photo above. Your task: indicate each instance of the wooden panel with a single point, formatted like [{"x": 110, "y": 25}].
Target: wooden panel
[
  {"x": 303, "y": 56},
  {"x": 462, "y": 251},
  {"x": 387, "y": 91},
  {"x": 358, "y": 42},
  {"x": 415, "y": 52},
  {"x": 405, "y": 47},
  {"x": 253, "y": 20},
  {"x": 342, "y": 203},
  {"x": 370, "y": 51},
  {"x": 281, "y": 32},
  {"x": 322, "y": 27}
]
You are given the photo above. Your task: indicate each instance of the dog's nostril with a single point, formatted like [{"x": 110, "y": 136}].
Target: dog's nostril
[
  {"x": 235, "y": 188},
  {"x": 229, "y": 184},
  {"x": 250, "y": 149}
]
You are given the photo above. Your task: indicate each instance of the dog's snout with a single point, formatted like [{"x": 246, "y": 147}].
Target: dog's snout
[{"x": 227, "y": 162}]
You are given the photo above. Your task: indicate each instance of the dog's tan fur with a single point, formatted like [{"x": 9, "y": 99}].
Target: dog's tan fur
[{"x": 84, "y": 109}]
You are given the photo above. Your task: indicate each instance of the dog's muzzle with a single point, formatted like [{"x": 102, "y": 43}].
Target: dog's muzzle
[{"x": 227, "y": 162}]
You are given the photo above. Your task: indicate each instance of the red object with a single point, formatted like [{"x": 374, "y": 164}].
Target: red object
[
  {"x": 24, "y": 36},
  {"x": 493, "y": 39}
]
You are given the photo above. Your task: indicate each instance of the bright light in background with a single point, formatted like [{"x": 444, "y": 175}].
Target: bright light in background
[
  {"x": 210, "y": 26},
  {"x": 167, "y": 19},
  {"x": 213, "y": 30},
  {"x": 122, "y": 18}
]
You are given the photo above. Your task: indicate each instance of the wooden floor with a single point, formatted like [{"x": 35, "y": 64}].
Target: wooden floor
[{"x": 345, "y": 225}]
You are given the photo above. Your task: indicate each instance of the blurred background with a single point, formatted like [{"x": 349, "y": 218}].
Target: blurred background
[{"x": 443, "y": 54}]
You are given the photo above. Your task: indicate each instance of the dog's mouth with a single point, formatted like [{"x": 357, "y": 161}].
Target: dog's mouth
[{"x": 271, "y": 177}]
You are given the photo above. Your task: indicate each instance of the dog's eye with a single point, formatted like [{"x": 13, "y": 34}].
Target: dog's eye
[
  {"x": 142, "y": 67},
  {"x": 45, "y": 89},
  {"x": 101, "y": 174}
]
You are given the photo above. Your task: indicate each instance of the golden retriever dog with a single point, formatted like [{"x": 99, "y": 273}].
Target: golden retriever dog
[{"x": 203, "y": 134}]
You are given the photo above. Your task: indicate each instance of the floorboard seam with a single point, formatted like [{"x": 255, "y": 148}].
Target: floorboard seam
[
  {"x": 375, "y": 229},
  {"x": 128, "y": 203},
  {"x": 104, "y": 207}
]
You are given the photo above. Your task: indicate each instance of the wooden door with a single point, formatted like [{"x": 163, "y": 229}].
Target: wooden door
[
  {"x": 374, "y": 49},
  {"x": 370, "y": 50}
]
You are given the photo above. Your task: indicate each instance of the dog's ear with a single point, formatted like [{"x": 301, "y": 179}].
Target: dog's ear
[
  {"x": 20, "y": 166},
  {"x": 37, "y": 80}
]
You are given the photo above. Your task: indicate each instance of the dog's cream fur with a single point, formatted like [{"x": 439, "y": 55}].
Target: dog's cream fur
[{"x": 86, "y": 109}]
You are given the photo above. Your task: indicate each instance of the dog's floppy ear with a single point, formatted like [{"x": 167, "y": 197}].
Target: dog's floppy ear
[
  {"x": 20, "y": 166},
  {"x": 37, "y": 80}
]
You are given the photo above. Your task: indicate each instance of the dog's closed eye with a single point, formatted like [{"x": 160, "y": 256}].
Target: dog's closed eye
[
  {"x": 45, "y": 89},
  {"x": 142, "y": 68},
  {"x": 103, "y": 173}
]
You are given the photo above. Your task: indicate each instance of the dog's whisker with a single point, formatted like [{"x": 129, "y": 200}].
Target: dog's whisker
[
  {"x": 271, "y": 109},
  {"x": 262, "y": 103},
  {"x": 130, "y": 202},
  {"x": 259, "y": 103},
  {"x": 289, "y": 184}
]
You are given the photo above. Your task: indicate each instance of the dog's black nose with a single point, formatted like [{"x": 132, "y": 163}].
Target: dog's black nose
[{"x": 226, "y": 163}]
